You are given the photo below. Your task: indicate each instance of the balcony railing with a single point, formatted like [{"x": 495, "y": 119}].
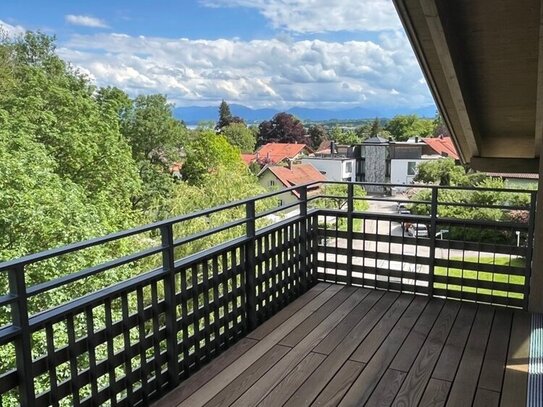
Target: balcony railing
[{"x": 214, "y": 280}]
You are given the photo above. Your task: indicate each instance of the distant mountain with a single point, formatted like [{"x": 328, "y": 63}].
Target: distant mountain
[{"x": 196, "y": 114}]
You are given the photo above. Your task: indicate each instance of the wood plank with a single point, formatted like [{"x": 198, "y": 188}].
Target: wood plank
[
  {"x": 301, "y": 331},
  {"x": 366, "y": 382},
  {"x": 334, "y": 338},
  {"x": 281, "y": 393},
  {"x": 515, "y": 382},
  {"x": 386, "y": 390},
  {"x": 334, "y": 391},
  {"x": 408, "y": 352},
  {"x": 267, "y": 327},
  {"x": 465, "y": 382},
  {"x": 374, "y": 340},
  {"x": 199, "y": 379},
  {"x": 496, "y": 352},
  {"x": 224, "y": 378},
  {"x": 452, "y": 352},
  {"x": 418, "y": 376},
  {"x": 486, "y": 398},
  {"x": 333, "y": 363},
  {"x": 246, "y": 379},
  {"x": 435, "y": 394},
  {"x": 262, "y": 387}
]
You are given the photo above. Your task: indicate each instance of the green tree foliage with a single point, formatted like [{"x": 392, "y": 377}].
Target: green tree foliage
[
  {"x": 343, "y": 136},
  {"x": 208, "y": 152},
  {"x": 283, "y": 128},
  {"x": 338, "y": 200},
  {"x": 317, "y": 134},
  {"x": 152, "y": 131},
  {"x": 226, "y": 118},
  {"x": 443, "y": 172},
  {"x": 240, "y": 136},
  {"x": 404, "y": 127}
]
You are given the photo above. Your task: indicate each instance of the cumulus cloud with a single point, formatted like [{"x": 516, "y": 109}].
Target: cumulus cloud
[
  {"x": 256, "y": 73},
  {"x": 314, "y": 16},
  {"x": 85, "y": 21},
  {"x": 11, "y": 30}
]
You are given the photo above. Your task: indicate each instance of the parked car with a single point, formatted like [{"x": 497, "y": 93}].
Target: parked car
[
  {"x": 418, "y": 230},
  {"x": 401, "y": 207}
]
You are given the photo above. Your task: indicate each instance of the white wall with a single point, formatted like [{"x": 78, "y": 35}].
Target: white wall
[
  {"x": 398, "y": 171},
  {"x": 335, "y": 169}
]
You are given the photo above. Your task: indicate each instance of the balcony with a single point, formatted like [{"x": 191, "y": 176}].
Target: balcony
[{"x": 330, "y": 305}]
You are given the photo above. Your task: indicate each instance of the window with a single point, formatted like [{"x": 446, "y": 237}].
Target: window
[
  {"x": 272, "y": 183},
  {"x": 348, "y": 167},
  {"x": 411, "y": 168}
]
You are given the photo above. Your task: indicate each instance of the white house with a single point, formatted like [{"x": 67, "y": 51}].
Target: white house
[{"x": 334, "y": 168}]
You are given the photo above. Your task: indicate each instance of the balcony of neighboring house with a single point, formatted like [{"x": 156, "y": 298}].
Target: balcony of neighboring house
[{"x": 363, "y": 305}]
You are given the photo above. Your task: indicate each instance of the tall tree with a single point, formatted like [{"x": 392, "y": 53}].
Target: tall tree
[
  {"x": 343, "y": 136},
  {"x": 283, "y": 128},
  {"x": 226, "y": 118},
  {"x": 440, "y": 128},
  {"x": 317, "y": 134},
  {"x": 375, "y": 127},
  {"x": 152, "y": 131},
  {"x": 239, "y": 135},
  {"x": 206, "y": 153},
  {"x": 404, "y": 127}
]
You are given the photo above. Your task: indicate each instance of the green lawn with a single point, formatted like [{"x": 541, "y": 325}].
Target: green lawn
[{"x": 484, "y": 276}]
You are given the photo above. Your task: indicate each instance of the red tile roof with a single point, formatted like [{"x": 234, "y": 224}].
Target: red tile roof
[
  {"x": 273, "y": 153},
  {"x": 297, "y": 174},
  {"x": 442, "y": 145},
  {"x": 248, "y": 158}
]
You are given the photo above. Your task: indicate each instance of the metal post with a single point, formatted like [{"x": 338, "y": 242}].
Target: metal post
[
  {"x": 303, "y": 239},
  {"x": 350, "y": 210},
  {"x": 250, "y": 269},
  {"x": 529, "y": 248},
  {"x": 168, "y": 260},
  {"x": 432, "y": 233},
  {"x": 23, "y": 342}
]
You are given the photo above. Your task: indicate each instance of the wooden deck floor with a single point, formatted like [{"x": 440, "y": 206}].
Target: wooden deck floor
[{"x": 348, "y": 346}]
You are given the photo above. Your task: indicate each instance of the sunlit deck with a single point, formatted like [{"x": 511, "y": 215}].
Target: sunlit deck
[{"x": 339, "y": 345}]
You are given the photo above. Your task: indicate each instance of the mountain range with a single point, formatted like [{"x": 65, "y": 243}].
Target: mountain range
[{"x": 195, "y": 114}]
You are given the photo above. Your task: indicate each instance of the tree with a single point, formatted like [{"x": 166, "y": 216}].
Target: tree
[
  {"x": 152, "y": 131},
  {"x": 440, "y": 128},
  {"x": 443, "y": 171},
  {"x": 283, "y": 128},
  {"x": 375, "y": 128},
  {"x": 208, "y": 152},
  {"x": 226, "y": 118},
  {"x": 342, "y": 136},
  {"x": 317, "y": 134},
  {"x": 239, "y": 135},
  {"x": 404, "y": 127}
]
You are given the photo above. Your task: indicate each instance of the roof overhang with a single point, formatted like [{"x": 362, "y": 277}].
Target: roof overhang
[{"x": 483, "y": 62}]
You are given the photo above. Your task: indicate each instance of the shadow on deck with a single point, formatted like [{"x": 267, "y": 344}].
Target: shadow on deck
[{"x": 340, "y": 345}]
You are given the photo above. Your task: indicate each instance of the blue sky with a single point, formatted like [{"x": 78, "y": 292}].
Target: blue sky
[{"x": 260, "y": 53}]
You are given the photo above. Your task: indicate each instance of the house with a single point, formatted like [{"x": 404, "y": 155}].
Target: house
[
  {"x": 442, "y": 145},
  {"x": 334, "y": 168},
  {"x": 379, "y": 160},
  {"x": 276, "y": 177},
  {"x": 276, "y": 153}
]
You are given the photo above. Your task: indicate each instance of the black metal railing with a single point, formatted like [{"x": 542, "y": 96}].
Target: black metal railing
[{"x": 204, "y": 280}]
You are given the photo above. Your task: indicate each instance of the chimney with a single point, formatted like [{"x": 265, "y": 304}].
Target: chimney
[
  {"x": 416, "y": 139},
  {"x": 332, "y": 148},
  {"x": 289, "y": 161}
]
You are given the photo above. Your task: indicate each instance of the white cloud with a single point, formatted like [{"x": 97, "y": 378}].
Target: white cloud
[
  {"x": 85, "y": 21},
  {"x": 312, "y": 16},
  {"x": 11, "y": 30},
  {"x": 256, "y": 73}
]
